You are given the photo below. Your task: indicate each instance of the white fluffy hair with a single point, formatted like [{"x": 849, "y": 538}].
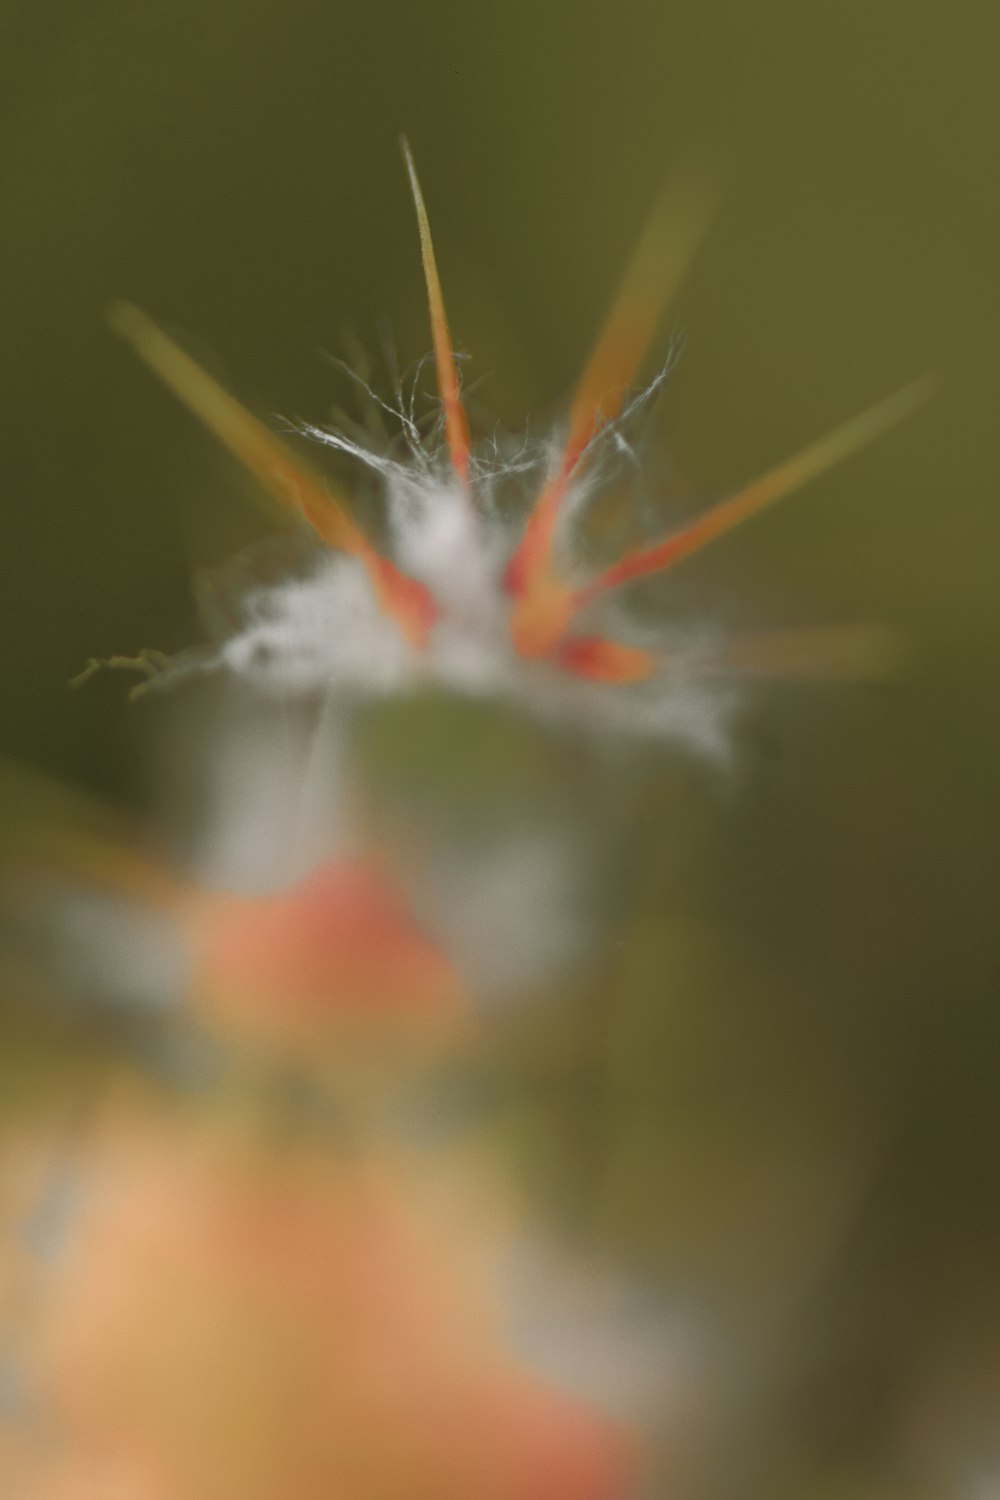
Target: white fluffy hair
[{"x": 326, "y": 632}]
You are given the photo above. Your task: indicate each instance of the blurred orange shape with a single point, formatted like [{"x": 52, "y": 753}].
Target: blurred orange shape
[
  {"x": 233, "y": 1324},
  {"x": 342, "y": 943},
  {"x": 111, "y": 1481}
]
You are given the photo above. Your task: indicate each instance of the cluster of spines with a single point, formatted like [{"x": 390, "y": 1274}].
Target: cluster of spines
[{"x": 544, "y": 607}]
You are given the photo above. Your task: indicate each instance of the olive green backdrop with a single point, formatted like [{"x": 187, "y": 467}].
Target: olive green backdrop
[{"x": 232, "y": 166}]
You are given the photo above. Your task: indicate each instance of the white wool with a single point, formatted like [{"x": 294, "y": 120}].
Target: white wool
[
  {"x": 322, "y": 631},
  {"x": 325, "y": 632},
  {"x": 510, "y": 914},
  {"x": 103, "y": 947},
  {"x": 273, "y": 794},
  {"x": 444, "y": 541},
  {"x": 594, "y": 1333}
]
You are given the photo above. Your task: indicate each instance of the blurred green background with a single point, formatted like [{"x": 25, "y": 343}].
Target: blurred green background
[{"x": 813, "y": 974}]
